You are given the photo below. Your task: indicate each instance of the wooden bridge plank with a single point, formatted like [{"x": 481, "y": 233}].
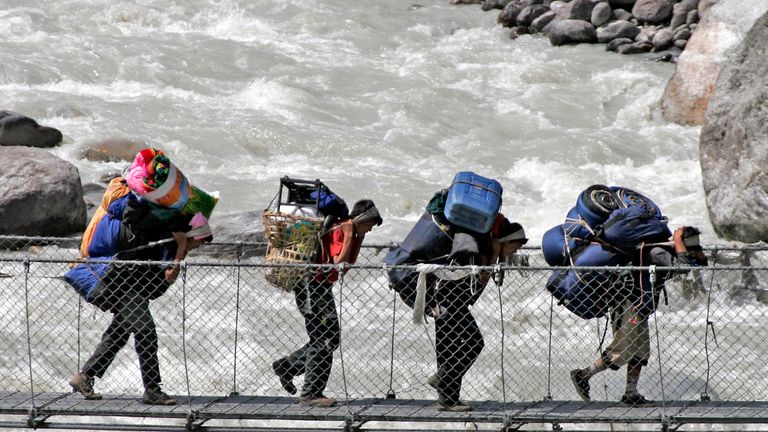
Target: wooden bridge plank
[{"x": 273, "y": 407}]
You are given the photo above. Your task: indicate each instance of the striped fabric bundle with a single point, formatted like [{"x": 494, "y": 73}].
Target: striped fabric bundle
[{"x": 153, "y": 177}]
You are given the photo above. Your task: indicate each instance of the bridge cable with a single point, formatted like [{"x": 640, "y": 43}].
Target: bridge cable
[
  {"x": 548, "y": 396},
  {"x": 29, "y": 341},
  {"x": 342, "y": 270},
  {"x": 79, "y": 312},
  {"x": 652, "y": 279},
  {"x": 184, "y": 329},
  {"x": 503, "y": 335},
  {"x": 391, "y": 391},
  {"x": 237, "y": 319},
  {"x": 707, "y": 325}
]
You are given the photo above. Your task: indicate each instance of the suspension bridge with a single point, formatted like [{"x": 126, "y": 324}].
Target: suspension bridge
[{"x": 221, "y": 325}]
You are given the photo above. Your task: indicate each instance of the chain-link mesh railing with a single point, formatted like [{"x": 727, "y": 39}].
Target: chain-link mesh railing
[{"x": 221, "y": 326}]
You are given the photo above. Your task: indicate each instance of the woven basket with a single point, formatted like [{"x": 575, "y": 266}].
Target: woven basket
[{"x": 291, "y": 239}]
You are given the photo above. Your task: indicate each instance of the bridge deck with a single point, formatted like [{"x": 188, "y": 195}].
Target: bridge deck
[{"x": 240, "y": 407}]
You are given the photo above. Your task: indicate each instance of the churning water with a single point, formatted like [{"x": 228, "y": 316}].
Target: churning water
[{"x": 383, "y": 99}]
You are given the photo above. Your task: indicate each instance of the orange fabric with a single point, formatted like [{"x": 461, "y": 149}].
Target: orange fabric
[{"x": 115, "y": 190}]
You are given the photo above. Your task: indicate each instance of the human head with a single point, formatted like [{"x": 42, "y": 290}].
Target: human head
[
  {"x": 691, "y": 238},
  {"x": 510, "y": 235},
  {"x": 365, "y": 215}
]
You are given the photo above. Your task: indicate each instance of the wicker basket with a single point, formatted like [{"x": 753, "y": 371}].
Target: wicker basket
[{"x": 291, "y": 239}]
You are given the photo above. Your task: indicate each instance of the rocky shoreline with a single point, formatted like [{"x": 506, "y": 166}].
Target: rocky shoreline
[{"x": 625, "y": 26}]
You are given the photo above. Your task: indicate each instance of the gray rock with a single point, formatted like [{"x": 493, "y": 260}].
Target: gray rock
[
  {"x": 245, "y": 227},
  {"x": 571, "y": 32},
  {"x": 734, "y": 142},
  {"x": 682, "y": 33},
  {"x": 622, "y": 15},
  {"x": 622, "y": 4},
  {"x": 692, "y": 17},
  {"x": 494, "y": 4},
  {"x": 19, "y": 130},
  {"x": 663, "y": 39},
  {"x": 561, "y": 9},
  {"x": 615, "y": 30},
  {"x": 530, "y": 13},
  {"x": 519, "y": 31},
  {"x": 464, "y": 2},
  {"x": 582, "y": 9},
  {"x": 681, "y": 43},
  {"x": 711, "y": 46},
  {"x": 525, "y": 3},
  {"x": 616, "y": 43},
  {"x": 112, "y": 150},
  {"x": 508, "y": 16},
  {"x": 539, "y": 23},
  {"x": 40, "y": 194},
  {"x": 601, "y": 14},
  {"x": 634, "y": 48},
  {"x": 92, "y": 194},
  {"x": 646, "y": 35},
  {"x": 653, "y": 11},
  {"x": 678, "y": 19}
]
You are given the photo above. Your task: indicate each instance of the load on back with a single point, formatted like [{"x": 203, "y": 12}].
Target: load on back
[
  {"x": 453, "y": 228},
  {"x": 604, "y": 228},
  {"x": 138, "y": 212},
  {"x": 293, "y": 225}
]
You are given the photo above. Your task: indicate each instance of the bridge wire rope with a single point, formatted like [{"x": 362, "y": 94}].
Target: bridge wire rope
[
  {"x": 391, "y": 391},
  {"x": 184, "y": 330},
  {"x": 548, "y": 396},
  {"x": 29, "y": 336},
  {"x": 342, "y": 270},
  {"x": 503, "y": 336},
  {"x": 652, "y": 278},
  {"x": 707, "y": 325},
  {"x": 79, "y": 313},
  {"x": 237, "y": 318}
]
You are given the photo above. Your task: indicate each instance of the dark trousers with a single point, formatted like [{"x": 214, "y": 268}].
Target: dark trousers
[
  {"x": 315, "y": 359},
  {"x": 131, "y": 316},
  {"x": 458, "y": 343}
]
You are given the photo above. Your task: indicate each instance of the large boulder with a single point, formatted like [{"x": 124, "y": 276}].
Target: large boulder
[
  {"x": 112, "y": 150},
  {"x": 19, "y": 130},
  {"x": 616, "y": 30},
  {"x": 653, "y": 11},
  {"x": 723, "y": 25},
  {"x": 40, "y": 194},
  {"x": 570, "y": 32},
  {"x": 734, "y": 142},
  {"x": 237, "y": 234}
]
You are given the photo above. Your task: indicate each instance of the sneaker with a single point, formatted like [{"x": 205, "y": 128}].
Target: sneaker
[
  {"x": 282, "y": 373},
  {"x": 83, "y": 384},
  {"x": 433, "y": 381},
  {"x": 635, "y": 399},
  {"x": 453, "y": 407},
  {"x": 581, "y": 383},
  {"x": 317, "y": 401},
  {"x": 155, "y": 396}
]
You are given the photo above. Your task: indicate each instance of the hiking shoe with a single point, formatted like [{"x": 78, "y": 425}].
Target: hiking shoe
[
  {"x": 155, "y": 396},
  {"x": 635, "y": 399},
  {"x": 453, "y": 407},
  {"x": 282, "y": 373},
  {"x": 317, "y": 401},
  {"x": 581, "y": 383},
  {"x": 433, "y": 381},
  {"x": 83, "y": 384}
]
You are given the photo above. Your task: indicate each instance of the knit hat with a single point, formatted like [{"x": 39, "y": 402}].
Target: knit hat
[
  {"x": 507, "y": 231},
  {"x": 365, "y": 210}
]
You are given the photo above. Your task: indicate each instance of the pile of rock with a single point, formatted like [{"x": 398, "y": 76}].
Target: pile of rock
[{"x": 626, "y": 26}]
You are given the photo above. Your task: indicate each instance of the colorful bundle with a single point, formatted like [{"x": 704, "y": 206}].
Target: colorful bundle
[{"x": 153, "y": 177}]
